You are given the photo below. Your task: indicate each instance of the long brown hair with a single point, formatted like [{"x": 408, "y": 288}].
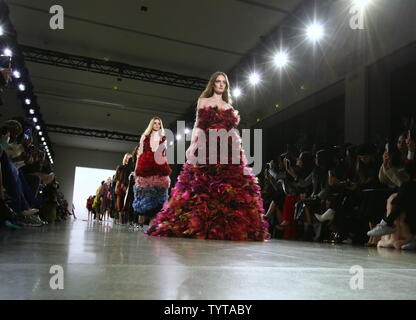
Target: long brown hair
[{"x": 209, "y": 90}]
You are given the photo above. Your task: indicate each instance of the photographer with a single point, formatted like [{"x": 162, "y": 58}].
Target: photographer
[
  {"x": 398, "y": 170},
  {"x": 5, "y": 73},
  {"x": 273, "y": 191}
]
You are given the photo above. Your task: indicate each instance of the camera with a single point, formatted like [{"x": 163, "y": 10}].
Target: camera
[{"x": 5, "y": 62}]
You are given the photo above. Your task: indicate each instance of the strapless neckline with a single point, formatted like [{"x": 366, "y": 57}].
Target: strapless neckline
[{"x": 219, "y": 108}]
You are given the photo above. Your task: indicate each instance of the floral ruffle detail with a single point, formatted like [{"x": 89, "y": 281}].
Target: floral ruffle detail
[
  {"x": 147, "y": 166},
  {"x": 146, "y": 199},
  {"x": 153, "y": 181},
  {"x": 213, "y": 117},
  {"x": 213, "y": 202}
]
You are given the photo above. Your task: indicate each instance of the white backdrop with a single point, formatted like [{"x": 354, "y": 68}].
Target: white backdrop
[{"x": 86, "y": 183}]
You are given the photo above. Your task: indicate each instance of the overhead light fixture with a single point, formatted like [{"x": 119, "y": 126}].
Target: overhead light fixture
[
  {"x": 7, "y": 52},
  {"x": 16, "y": 74},
  {"x": 315, "y": 32},
  {"x": 236, "y": 92},
  {"x": 254, "y": 78},
  {"x": 281, "y": 59},
  {"x": 362, "y": 4}
]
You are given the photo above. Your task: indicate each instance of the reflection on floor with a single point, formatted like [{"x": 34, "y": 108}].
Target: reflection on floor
[{"x": 114, "y": 262}]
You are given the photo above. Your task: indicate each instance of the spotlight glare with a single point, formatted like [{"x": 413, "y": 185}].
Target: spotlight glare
[
  {"x": 254, "y": 78},
  {"x": 16, "y": 74},
  {"x": 236, "y": 92},
  {"x": 186, "y": 130},
  {"x": 40, "y": 132},
  {"x": 28, "y": 101},
  {"x": 22, "y": 87},
  {"x": 43, "y": 138},
  {"x": 44, "y": 143},
  {"x": 178, "y": 137},
  {"x": 38, "y": 128},
  {"x": 31, "y": 111},
  {"x": 35, "y": 120},
  {"x": 315, "y": 32},
  {"x": 171, "y": 143},
  {"x": 7, "y": 52},
  {"x": 281, "y": 59},
  {"x": 362, "y": 4}
]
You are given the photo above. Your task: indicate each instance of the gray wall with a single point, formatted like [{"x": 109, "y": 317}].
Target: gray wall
[
  {"x": 342, "y": 56},
  {"x": 67, "y": 159}
]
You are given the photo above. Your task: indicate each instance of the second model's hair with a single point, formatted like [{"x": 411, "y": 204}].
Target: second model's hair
[
  {"x": 209, "y": 90},
  {"x": 149, "y": 128},
  {"x": 126, "y": 158}
]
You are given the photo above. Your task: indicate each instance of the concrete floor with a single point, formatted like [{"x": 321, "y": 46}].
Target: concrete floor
[{"x": 113, "y": 262}]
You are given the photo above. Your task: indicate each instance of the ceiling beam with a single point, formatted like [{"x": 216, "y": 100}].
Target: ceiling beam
[
  {"x": 264, "y": 6},
  {"x": 103, "y": 134},
  {"x": 112, "y": 68}
]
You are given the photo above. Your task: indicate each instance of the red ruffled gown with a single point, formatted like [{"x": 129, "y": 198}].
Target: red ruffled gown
[
  {"x": 152, "y": 179},
  {"x": 214, "y": 201}
]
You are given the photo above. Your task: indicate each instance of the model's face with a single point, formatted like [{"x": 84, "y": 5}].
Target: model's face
[
  {"x": 401, "y": 144},
  {"x": 156, "y": 125},
  {"x": 220, "y": 84}
]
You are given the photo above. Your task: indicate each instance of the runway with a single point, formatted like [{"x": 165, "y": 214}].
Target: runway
[{"x": 114, "y": 262}]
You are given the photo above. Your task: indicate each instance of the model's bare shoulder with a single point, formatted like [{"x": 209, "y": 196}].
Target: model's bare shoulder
[{"x": 201, "y": 103}]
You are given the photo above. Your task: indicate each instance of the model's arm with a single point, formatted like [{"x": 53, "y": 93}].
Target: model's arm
[
  {"x": 200, "y": 104},
  {"x": 140, "y": 151}
]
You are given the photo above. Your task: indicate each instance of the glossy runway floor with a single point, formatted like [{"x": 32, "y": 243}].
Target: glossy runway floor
[{"x": 113, "y": 262}]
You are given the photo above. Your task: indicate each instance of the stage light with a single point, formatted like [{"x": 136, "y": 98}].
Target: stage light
[
  {"x": 22, "y": 87},
  {"x": 1, "y": 31},
  {"x": 16, "y": 74},
  {"x": 28, "y": 101},
  {"x": 40, "y": 132},
  {"x": 178, "y": 137},
  {"x": 31, "y": 111},
  {"x": 7, "y": 52},
  {"x": 254, "y": 78},
  {"x": 315, "y": 32},
  {"x": 43, "y": 138},
  {"x": 38, "y": 128},
  {"x": 35, "y": 120},
  {"x": 44, "y": 143},
  {"x": 236, "y": 92},
  {"x": 281, "y": 59},
  {"x": 362, "y": 4},
  {"x": 186, "y": 130},
  {"x": 171, "y": 143}
]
